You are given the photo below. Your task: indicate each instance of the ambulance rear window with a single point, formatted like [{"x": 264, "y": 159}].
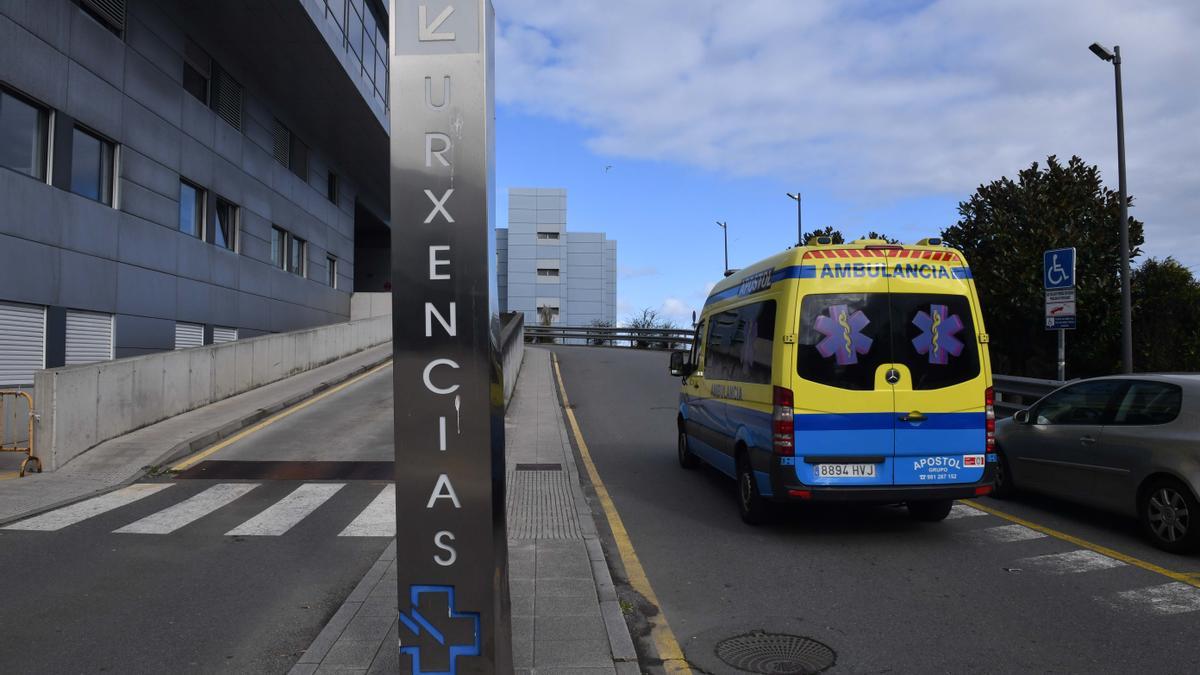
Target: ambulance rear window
[{"x": 846, "y": 337}]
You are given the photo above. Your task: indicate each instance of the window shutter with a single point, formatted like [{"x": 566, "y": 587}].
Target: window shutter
[
  {"x": 89, "y": 338},
  {"x": 111, "y": 12},
  {"x": 22, "y": 343},
  {"x": 281, "y": 139},
  {"x": 224, "y": 334},
  {"x": 188, "y": 335},
  {"x": 227, "y": 98}
]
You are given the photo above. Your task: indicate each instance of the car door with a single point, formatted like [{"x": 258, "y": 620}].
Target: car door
[
  {"x": 1045, "y": 454},
  {"x": 702, "y": 422},
  {"x": 1111, "y": 468}
]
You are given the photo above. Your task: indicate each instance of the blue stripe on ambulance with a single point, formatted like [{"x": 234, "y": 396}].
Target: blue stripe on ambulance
[{"x": 810, "y": 272}]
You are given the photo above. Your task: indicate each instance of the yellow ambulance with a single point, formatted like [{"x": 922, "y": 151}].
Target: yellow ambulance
[{"x": 855, "y": 372}]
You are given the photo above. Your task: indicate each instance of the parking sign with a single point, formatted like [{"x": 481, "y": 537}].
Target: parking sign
[{"x": 1058, "y": 268}]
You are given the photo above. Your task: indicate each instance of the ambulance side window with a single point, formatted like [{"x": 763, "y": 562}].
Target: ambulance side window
[
  {"x": 741, "y": 343},
  {"x": 696, "y": 350}
]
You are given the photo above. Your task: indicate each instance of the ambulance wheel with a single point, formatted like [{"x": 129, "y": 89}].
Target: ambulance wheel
[
  {"x": 930, "y": 511},
  {"x": 753, "y": 508},
  {"x": 686, "y": 459}
]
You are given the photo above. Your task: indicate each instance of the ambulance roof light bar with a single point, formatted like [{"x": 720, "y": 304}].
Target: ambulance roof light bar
[
  {"x": 931, "y": 241},
  {"x": 821, "y": 240}
]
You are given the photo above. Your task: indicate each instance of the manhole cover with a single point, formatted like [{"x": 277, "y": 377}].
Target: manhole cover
[{"x": 775, "y": 654}]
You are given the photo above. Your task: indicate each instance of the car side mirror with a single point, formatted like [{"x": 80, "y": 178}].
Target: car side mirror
[
  {"x": 1021, "y": 417},
  {"x": 679, "y": 365}
]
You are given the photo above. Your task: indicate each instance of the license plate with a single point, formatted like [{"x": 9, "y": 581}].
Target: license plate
[{"x": 844, "y": 470}]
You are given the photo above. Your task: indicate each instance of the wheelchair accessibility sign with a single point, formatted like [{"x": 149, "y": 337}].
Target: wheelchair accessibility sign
[{"x": 1058, "y": 268}]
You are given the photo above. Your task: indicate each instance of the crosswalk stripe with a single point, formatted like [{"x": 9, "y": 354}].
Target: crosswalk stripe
[
  {"x": 1006, "y": 533},
  {"x": 963, "y": 511},
  {"x": 1173, "y": 598},
  {"x": 287, "y": 512},
  {"x": 1070, "y": 562},
  {"x": 378, "y": 519},
  {"x": 192, "y": 509},
  {"x": 69, "y": 515}
]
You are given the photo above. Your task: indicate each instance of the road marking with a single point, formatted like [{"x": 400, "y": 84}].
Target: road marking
[
  {"x": 287, "y": 512},
  {"x": 9, "y": 475},
  {"x": 664, "y": 639},
  {"x": 80, "y": 511},
  {"x": 275, "y": 418},
  {"x": 1070, "y": 562},
  {"x": 189, "y": 510},
  {"x": 1006, "y": 533},
  {"x": 1191, "y": 578},
  {"x": 378, "y": 519},
  {"x": 1172, "y": 598},
  {"x": 962, "y": 511}
]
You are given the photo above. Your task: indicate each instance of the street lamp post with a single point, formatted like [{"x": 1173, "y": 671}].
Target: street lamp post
[
  {"x": 1126, "y": 302},
  {"x": 799, "y": 228},
  {"x": 725, "y": 229}
]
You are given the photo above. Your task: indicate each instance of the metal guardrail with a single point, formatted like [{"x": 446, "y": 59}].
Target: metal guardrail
[
  {"x": 16, "y": 446},
  {"x": 643, "y": 338},
  {"x": 1017, "y": 393}
]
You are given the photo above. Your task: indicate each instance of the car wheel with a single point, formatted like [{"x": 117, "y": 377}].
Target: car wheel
[
  {"x": 1166, "y": 512},
  {"x": 753, "y": 508},
  {"x": 1003, "y": 488},
  {"x": 686, "y": 459},
  {"x": 930, "y": 511}
]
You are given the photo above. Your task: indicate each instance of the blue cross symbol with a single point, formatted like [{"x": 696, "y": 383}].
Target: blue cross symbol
[{"x": 416, "y": 623}]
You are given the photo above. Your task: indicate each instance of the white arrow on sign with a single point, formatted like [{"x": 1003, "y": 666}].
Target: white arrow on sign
[{"x": 428, "y": 31}]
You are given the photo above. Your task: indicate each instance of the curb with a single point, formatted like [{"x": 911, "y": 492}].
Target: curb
[{"x": 205, "y": 439}]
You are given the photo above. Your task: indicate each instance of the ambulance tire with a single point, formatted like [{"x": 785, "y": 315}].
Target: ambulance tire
[
  {"x": 753, "y": 508},
  {"x": 930, "y": 511},
  {"x": 686, "y": 459}
]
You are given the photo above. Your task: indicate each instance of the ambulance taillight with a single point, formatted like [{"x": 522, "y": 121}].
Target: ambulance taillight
[
  {"x": 989, "y": 405},
  {"x": 783, "y": 436}
]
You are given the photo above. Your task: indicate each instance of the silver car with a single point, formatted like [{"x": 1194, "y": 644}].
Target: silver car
[{"x": 1128, "y": 444}]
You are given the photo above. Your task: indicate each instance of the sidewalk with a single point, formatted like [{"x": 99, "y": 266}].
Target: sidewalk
[
  {"x": 565, "y": 614},
  {"x": 124, "y": 459}
]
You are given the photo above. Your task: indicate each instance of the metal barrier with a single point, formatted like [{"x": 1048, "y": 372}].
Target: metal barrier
[
  {"x": 1017, "y": 393},
  {"x": 16, "y": 446},
  {"x": 641, "y": 338}
]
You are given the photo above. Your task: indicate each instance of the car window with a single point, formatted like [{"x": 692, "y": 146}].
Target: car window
[
  {"x": 844, "y": 338},
  {"x": 696, "y": 342},
  {"x": 1149, "y": 403},
  {"x": 1083, "y": 403},
  {"x": 740, "y": 344},
  {"x": 935, "y": 338}
]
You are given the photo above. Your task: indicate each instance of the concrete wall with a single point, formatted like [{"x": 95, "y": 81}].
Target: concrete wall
[
  {"x": 368, "y": 305},
  {"x": 512, "y": 351},
  {"x": 82, "y": 406}
]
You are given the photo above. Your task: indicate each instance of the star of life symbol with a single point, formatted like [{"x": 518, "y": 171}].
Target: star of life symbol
[
  {"x": 843, "y": 335},
  {"x": 435, "y": 649},
  {"x": 937, "y": 334}
]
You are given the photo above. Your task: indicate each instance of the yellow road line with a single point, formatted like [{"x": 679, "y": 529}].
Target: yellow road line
[
  {"x": 6, "y": 475},
  {"x": 275, "y": 418},
  {"x": 1190, "y": 578},
  {"x": 664, "y": 639}
]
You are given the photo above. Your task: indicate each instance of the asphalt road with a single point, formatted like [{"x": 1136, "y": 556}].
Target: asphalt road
[
  {"x": 971, "y": 594},
  {"x": 186, "y": 593}
]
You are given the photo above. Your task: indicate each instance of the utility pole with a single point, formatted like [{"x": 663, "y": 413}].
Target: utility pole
[
  {"x": 1114, "y": 57},
  {"x": 725, "y": 228},
  {"x": 799, "y": 226}
]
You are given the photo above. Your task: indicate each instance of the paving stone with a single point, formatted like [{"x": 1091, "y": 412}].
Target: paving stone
[
  {"x": 351, "y": 653},
  {"x": 366, "y": 627},
  {"x": 572, "y": 605},
  {"x": 586, "y": 627},
  {"x": 560, "y": 654},
  {"x": 552, "y": 587}
]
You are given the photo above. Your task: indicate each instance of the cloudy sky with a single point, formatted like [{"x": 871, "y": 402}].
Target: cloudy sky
[{"x": 884, "y": 114}]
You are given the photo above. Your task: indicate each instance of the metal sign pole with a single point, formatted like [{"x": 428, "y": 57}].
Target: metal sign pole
[
  {"x": 1062, "y": 355},
  {"x": 451, "y": 556}
]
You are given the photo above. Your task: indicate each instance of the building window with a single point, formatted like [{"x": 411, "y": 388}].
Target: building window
[
  {"x": 331, "y": 271},
  {"x": 297, "y": 255},
  {"x": 197, "y": 71},
  {"x": 547, "y": 235},
  {"x": 331, "y": 190},
  {"x": 547, "y": 272},
  {"x": 298, "y": 158},
  {"x": 225, "y": 225},
  {"x": 91, "y": 166},
  {"x": 191, "y": 209},
  {"x": 278, "y": 247},
  {"x": 23, "y": 132},
  {"x": 364, "y": 27}
]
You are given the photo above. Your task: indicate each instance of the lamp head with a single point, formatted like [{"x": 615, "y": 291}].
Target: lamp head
[{"x": 1101, "y": 52}]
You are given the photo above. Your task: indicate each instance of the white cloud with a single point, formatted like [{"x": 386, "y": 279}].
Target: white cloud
[
  {"x": 679, "y": 311},
  {"x": 927, "y": 101}
]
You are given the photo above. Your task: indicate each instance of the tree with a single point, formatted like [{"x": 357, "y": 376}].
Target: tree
[
  {"x": 827, "y": 231},
  {"x": 1166, "y": 317},
  {"x": 875, "y": 235},
  {"x": 1004, "y": 228},
  {"x": 601, "y": 323}
]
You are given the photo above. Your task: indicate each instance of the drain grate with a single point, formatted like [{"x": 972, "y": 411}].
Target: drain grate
[
  {"x": 775, "y": 654},
  {"x": 540, "y": 467}
]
